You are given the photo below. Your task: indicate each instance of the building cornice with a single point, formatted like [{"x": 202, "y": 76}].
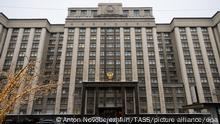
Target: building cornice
[
  {"x": 192, "y": 21},
  {"x": 112, "y": 22}
]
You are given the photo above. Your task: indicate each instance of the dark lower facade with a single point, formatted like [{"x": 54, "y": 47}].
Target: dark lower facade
[{"x": 109, "y": 98}]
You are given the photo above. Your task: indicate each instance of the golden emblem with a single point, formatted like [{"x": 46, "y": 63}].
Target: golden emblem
[{"x": 110, "y": 75}]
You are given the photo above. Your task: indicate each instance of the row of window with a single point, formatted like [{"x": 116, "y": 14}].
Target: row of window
[
  {"x": 135, "y": 13},
  {"x": 109, "y": 30}
]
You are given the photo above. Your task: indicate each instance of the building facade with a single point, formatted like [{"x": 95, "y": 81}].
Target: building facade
[{"x": 112, "y": 58}]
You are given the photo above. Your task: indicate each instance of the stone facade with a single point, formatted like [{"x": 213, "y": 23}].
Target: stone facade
[{"x": 164, "y": 61}]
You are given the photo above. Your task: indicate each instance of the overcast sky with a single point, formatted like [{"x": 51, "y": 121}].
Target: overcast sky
[{"x": 56, "y": 10}]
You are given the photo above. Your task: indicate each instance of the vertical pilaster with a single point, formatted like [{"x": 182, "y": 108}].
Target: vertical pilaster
[
  {"x": 218, "y": 26},
  {"x": 61, "y": 72},
  {"x": 37, "y": 68},
  {"x": 97, "y": 63},
  {"x": 147, "y": 72},
  {"x": 159, "y": 76},
  {"x": 217, "y": 36},
  {"x": 183, "y": 66},
  {"x": 214, "y": 48},
  {"x": 70, "y": 105},
  {"x": 5, "y": 49},
  {"x": 16, "y": 51},
  {"x": 207, "y": 66},
  {"x": 26, "y": 60},
  {"x": 1, "y": 29},
  {"x": 122, "y": 57},
  {"x": 133, "y": 55},
  {"x": 40, "y": 52},
  {"x": 86, "y": 55},
  {"x": 29, "y": 46},
  {"x": 195, "y": 66},
  {"x": 1, "y": 37}
]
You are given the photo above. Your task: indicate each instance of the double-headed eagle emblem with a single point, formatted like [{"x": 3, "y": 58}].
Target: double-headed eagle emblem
[{"x": 110, "y": 75}]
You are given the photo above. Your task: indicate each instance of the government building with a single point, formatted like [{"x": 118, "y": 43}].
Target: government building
[{"x": 112, "y": 58}]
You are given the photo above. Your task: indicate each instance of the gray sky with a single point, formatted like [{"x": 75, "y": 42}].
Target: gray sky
[{"x": 56, "y": 10}]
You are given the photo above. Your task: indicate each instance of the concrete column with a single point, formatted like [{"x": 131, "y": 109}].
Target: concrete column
[
  {"x": 216, "y": 32},
  {"x": 195, "y": 66},
  {"x": 70, "y": 105},
  {"x": 40, "y": 52},
  {"x": 86, "y": 55},
  {"x": 214, "y": 48},
  {"x": 2, "y": 41},
  {"x": 5, "y": 49},
  {"x": 130, "y": 13},
  {"x": 147, "y": 72},
  {"x": 1, "y": 37},
  {"x": 26, "y": 60},
  {"x": 133, "y": 55},
  {"x": 16, "y": 50},
  {"x": 218, "y": 26},
  {"x": 183, "y": 67},
  {"x": 38, "y": 63},
  {"x": 61, "y": 72},
  {"x": 1, "y": 29},
  {"x": 159, "y": 76},
  {"x": 97, "y": 63},
  {"x": 29, "y": 46},
  {"x": 122, "y": 57},
  {"x": 207, "y": 66}
]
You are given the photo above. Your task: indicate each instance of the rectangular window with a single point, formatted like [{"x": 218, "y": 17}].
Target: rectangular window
[
  {"x": 182, "y": 30},
  {"x": 183, "y": 37},
  {"x": 22, "y": 54},
  {"x": 15, "y": 30},
  {"x": 83, "y": 12},
  {"x": 127, "y": 37},
  {"x": 126, "y": 30},
  {"x": 193, "y": 30},
  {"x": 14, "y": 38},
  {"x": 71, "y": 30},
  {"x": 92, "y": 53},
  {"x": 148, "y": 30},
  {"x": 25, "y": 38},
  {"x": 10, "y": 54},
  {"x": 23, "y": 45},
  {"x": 69, "y": 45},
  {"x": 136, "y": 13},
  {"x": 147, "y": 12},
  {"x": 93, "y": 37},
  {"x": 73, "y": 12},
  {"x": 35, "y": 45},
  {"x": 125, "y": 12},
  {"x": 93, "y": 30},
  {"x": 26, "y": 30},
  {"x": 70, "y": 37},
  {"x": 36, "y": 37},
  {"x": 94, "y": 12},
  {"x": 137, "y": 30},
  {"x": 33, "y": 53},
  {"x": 37, "y": 30},
  {"x": 82, "y": 30}
]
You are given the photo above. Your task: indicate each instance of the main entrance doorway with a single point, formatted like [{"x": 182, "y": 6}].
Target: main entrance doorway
[
  {"x": 110, "y": 111},
  {"x": 110, "y": 99}
]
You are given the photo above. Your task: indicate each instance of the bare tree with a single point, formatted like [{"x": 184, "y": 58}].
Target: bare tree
[{"x": 17, "y": 88}]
